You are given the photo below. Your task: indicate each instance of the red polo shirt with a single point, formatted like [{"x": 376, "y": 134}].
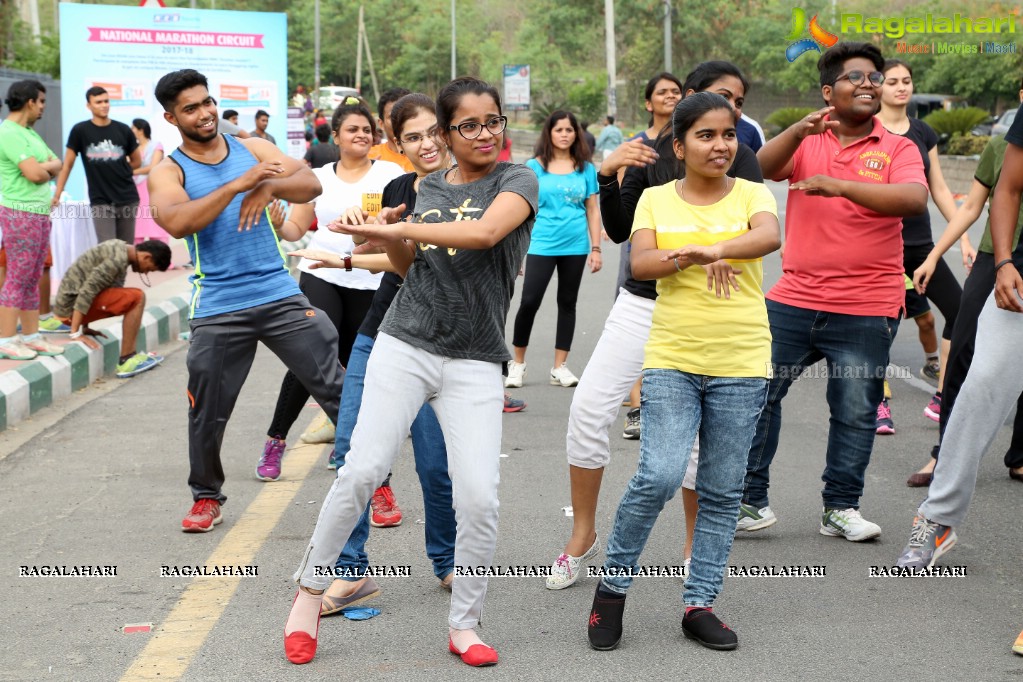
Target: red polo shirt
[{"x": 839, "y": 256}]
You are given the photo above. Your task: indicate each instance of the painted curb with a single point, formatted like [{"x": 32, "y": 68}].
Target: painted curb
[{"x": 41, "y": 382}]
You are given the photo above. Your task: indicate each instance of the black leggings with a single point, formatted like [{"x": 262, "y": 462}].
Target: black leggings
[
  {"x": 943, "y": 290},
  {"x": 976, "y": 291},
  {"x": 345, "y": 308},
  {"x": 539, "y": 270}
]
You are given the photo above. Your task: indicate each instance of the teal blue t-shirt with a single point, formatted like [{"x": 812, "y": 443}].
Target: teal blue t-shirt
[{"x": 561, "y": 228}]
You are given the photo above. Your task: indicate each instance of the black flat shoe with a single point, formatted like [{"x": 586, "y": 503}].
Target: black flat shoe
[
  {"x": 1015, "y": 476},
  {"x": 605, "y": 627},
  {"x": 707, "y": 629}
]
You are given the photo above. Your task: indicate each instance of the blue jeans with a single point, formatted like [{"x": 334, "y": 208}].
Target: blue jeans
[
  {"x": 855, "y": 348},
  {"x": 676, "y": 407},
  {"x": 431, "y": 464}
]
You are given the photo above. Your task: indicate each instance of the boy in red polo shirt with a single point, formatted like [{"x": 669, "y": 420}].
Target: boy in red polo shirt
[{"x": 842, "y": 290}]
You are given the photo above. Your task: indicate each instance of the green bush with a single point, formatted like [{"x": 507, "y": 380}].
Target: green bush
[
  {"x": 956, "y": 121},
  {"x": 786, "y": 116},
  {"x": 588, "y": 100},
  {"x": 966, "y": 145}
]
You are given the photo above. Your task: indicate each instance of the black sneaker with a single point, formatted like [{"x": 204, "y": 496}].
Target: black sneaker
[
  {"x": 605, "y": 627},
  {"x": 707, "y": 629}
]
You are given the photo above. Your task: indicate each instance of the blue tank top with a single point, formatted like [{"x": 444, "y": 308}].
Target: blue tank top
[{"x": 233, "y": 270}]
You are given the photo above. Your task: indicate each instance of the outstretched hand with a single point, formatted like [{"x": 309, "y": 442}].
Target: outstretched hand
[{"x": 815, "y": 123}]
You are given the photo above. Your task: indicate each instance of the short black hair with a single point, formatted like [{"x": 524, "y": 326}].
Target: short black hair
[
  {"x": 610, "y": 119},
  {"x": 388, "y": 96},
  {"x": 159, "y": 251},
  {"x": 831, "y": 63},
  {"x": 172, "y": 84},
  {"x": 21, "y": 93},
  {"x": 323, "y": 133},
  {"x": 228, "y": 113},
  {"x": 260, "y": 112},
  {"x": 346, "y": 110},
  {"x": 94, "y": 91}
]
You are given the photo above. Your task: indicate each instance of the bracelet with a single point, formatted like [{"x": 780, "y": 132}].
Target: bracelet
[
  {"x": 1001, "y": 263},
  {"x": 75, "y": 335},
  {"x": 677, "y": 266},
  {"x": 347, "y": 258},
  {"x": 595, "y": 249}
]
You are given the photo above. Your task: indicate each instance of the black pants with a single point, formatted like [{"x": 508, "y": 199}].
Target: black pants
[
  {"x": 539, "y": 270},
  {"x": 345, "y": 308},
  {"x": 220, "y": 356},
  {"x": 976, "y": 290},
  {"x": 943, "y": 290}
]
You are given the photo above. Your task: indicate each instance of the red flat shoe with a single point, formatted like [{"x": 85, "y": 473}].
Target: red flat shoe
[
  {"x": 299, "y": 647},
  {"x": 478, "y": 655}
]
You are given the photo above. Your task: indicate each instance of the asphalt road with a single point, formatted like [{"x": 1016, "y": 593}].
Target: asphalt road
[{"x": 103, "y": 482}]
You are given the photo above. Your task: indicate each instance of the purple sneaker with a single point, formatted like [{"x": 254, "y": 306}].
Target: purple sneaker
[{"x": 269, "y": 467}]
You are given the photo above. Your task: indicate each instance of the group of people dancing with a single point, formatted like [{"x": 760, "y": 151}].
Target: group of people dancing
[{"x": 405, "y": 290}]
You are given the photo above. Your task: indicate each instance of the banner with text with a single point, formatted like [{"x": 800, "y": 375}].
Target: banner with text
[{"x": 126, "y": 50}]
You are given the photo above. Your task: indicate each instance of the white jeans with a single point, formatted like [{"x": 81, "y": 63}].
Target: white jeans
[
  {"x": 616, "y": 364},
  {"x": 468, "y": 397}
]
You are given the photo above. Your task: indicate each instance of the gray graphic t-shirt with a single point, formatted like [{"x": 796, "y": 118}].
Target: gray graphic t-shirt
[{"x": 454, "y": 302}]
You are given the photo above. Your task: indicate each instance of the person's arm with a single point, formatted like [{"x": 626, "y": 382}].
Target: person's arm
[
  {"x": 295, "y": 182},
  {"x": 180, "y": 215},
  {"x": 135, "y": 159},
  {"x": 507, "y": 212},
  {"x": 775, "y": 157},
  {"x": 763, "y": 237},
  {"x": 942, "y": 195},
  {"x": 297, "y": 222},
  {"x": 957, "y": 227},
  {"x": 104, "y": 276},
  {"x": 595, "y": 260},
  {"x": 144, "y": 170},
  {"x": 38, "y": 172},
  {"x": 374, "y": 262},
  {"x": 1004, "y": 214},
  {"x": 901, "y": 199},
  {"x": 65, "y": 171}
]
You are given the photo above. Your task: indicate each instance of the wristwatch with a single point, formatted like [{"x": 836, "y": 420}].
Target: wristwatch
[{"x": 347, "y": 258}]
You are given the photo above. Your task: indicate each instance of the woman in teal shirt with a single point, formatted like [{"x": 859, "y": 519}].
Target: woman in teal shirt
[{"x": 566, "y": 238}]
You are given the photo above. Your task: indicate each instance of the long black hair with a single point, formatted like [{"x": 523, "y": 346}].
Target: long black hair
[{"x": 579, "y": 151}]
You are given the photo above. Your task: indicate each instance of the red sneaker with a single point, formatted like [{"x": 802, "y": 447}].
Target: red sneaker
[
  {"x": 204, "y": 515},
  {"x": 386, "y": 512}
]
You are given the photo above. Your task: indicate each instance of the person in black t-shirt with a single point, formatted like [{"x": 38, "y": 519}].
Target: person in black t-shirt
[
  {"x": 109, "y": 154},
  {"x": 319, "y": 155}
]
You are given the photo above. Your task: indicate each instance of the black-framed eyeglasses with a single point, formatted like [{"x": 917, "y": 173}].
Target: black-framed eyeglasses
[
  {"x": 857, "y": 77},
  {"x": 418, "y": 137},
  {"x": 470, "y": 130}
]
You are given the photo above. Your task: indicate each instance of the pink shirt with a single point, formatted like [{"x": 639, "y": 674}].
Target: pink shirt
[{"x": 839, "y": 256}]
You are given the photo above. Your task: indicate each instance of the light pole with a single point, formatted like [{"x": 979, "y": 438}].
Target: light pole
[
  {"x": 609, "y": 49},
  {"x": 453, "y": 44},
  {"x": 667, "y": 35},
  {"x": 315, "y": 94}
]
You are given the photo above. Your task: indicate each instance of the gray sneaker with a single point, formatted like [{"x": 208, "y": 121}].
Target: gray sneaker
[
  {"x": 632, "y": 429},
  {"x": 751, "y": 518},
  {"x": 928, "y": 541}
]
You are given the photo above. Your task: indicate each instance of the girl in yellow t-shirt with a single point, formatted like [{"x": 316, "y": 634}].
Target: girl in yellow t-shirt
[{"x": 707, "y": 363}]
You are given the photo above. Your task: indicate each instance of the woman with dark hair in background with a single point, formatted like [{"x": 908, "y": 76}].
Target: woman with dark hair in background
[
  {"x": 918, "y": 241},
  {"x": 566, "y": 238},
  {"x": 617, "y": 360},
  {"x": 152, "y": 154},
  {"x": 353, "y": 183},
  {"x": 442, "y": 342}
]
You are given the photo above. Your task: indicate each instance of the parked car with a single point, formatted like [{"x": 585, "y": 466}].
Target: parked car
[
  {"x": 333, "y": 95},
  {"x": 1001, "y": 126}
]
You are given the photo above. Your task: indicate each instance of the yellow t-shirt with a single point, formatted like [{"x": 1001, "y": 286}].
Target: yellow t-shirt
[
  {"x": 693, "y": 330},
  {"x": 383, "y": 153}
]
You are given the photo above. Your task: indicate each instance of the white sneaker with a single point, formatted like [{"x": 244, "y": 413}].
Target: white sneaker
[
  {"x": 15, "y": 350},
  {"x": 516, "y": 372},
  {"x": 320, "y": 431},
  {"x": 562, "y": 376},
  {"x": 849, "y": 524},
  {"x": 751, "y": 518},
  {"x": 565, "y": 571},
  {"x": 43, "y": 347}
]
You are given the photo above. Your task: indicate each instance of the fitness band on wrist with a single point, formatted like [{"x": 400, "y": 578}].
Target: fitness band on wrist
[{"x": 1001, "y": 263}]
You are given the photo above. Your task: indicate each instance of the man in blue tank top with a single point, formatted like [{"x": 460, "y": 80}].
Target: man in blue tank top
[{"x": 212, "y": 191}]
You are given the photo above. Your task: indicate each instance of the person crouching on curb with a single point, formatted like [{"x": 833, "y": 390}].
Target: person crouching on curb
[{"x": 93, "y": 289}]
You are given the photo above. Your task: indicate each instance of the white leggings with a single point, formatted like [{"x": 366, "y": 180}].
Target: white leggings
[
  {"x": 616, "y": 364},
  {"x": 468, "y": 397}
]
